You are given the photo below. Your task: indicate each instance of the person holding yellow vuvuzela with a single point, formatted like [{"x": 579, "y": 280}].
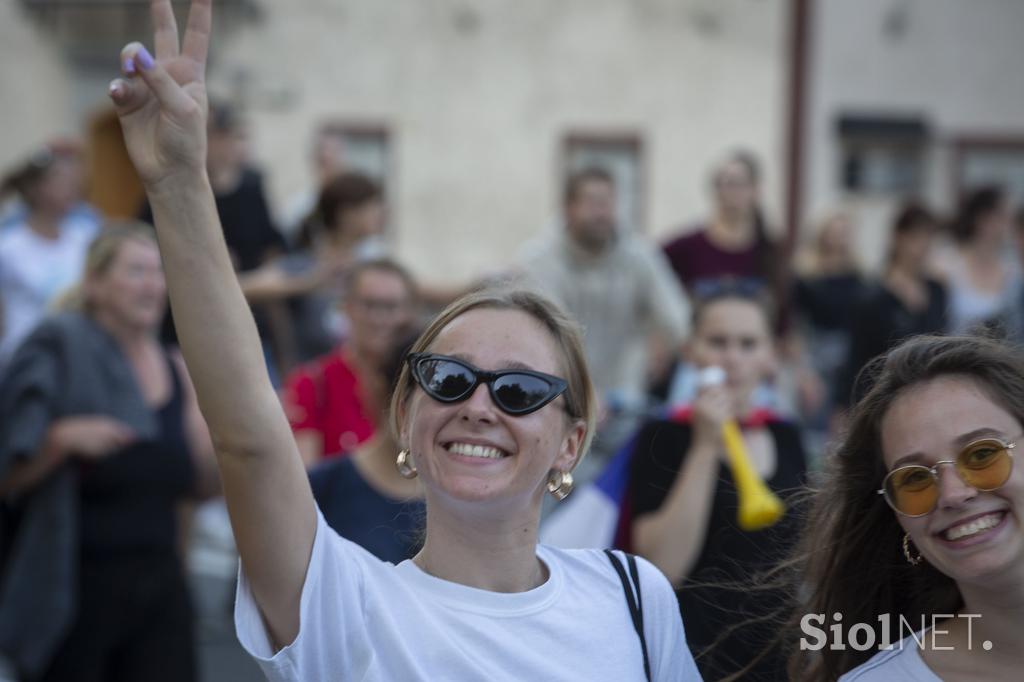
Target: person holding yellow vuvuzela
[
  {"x": 706, "y": 497},
  {"x": 492, "y": 410}
]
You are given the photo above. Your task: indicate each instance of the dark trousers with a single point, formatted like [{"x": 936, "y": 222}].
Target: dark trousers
[{"x": 134, "y": 623}]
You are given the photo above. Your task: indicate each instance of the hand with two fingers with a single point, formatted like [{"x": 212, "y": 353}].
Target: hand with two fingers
[{"x": 161, "y": 98}]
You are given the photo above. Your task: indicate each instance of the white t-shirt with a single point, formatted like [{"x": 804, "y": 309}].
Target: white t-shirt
[
  {"x": 34, "y": 270},
  {"x": 364, "y": 619},
  {"x": 902, "y": 663}
]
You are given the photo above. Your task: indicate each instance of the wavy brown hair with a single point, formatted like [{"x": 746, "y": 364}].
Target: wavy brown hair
[
  {"x": 849, "y": 560},
  {"x": 345, "y": 193}
]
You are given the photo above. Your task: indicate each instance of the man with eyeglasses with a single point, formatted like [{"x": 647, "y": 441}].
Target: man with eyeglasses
[
  {"x": 621, "y": 290},
  {"x": 327, "y": 399}
]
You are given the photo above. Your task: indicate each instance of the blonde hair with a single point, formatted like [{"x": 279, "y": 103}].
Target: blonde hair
[
  {"x": 101, "y": 255},
  {"x": 580, "y": 400},
  {"x": 808, "y": 257}
]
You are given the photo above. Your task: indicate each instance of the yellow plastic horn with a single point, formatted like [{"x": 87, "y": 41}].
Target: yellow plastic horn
[{"x": 759, "y": 506}]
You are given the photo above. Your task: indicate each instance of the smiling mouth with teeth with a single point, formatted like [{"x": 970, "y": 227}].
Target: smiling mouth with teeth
[
  {"x": 482, "y": 451},
  {"x": 976, "y": 526}
]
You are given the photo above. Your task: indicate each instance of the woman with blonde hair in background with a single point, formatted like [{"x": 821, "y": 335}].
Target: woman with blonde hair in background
[
  {"x": 494, "y": 407},
  {"x": 828, "y": 288},
  {"x": 100, "y": 440}
]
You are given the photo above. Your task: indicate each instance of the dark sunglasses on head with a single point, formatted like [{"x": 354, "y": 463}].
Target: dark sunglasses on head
[
  {"x": 984, "y": 465},
  {"x": 514, "y": 391},
  {"x": 728, "y": 286}
]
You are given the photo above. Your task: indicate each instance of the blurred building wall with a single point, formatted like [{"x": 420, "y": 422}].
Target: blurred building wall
[
  {"x": 478, "y": 95},
  {"x": 477, "y": 98},
  {"x": 35, "y": 83},
  {"x": 954, "y": 65}
]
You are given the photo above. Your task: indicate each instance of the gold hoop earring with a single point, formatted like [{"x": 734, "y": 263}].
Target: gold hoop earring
[
  {"x": 406, "y": 469},
  {"x": 560, "y": 484},
  {"x": 912, "y": 560}
]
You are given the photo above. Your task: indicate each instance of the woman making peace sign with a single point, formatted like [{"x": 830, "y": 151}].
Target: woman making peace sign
[{"x": 481, "y": 600}]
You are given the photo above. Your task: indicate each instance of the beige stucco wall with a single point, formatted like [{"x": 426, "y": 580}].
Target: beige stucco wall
[
  {"x": 479, "y": 93},
  {"x": 35, "y": 85},
  {"x": 478, "y": 96},
  {"x": 956, "y": 63}
]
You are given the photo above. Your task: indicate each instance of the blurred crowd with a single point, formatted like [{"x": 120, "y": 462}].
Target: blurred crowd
[{"x": 120, "y": 503}]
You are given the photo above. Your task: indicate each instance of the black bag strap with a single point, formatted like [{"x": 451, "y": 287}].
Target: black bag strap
[{"x": 631, "y": 587}]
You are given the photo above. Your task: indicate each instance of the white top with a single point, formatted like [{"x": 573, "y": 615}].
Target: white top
[
  {"x": 969, "y": 305},
  {"x": 364, "y": 619},
  {"x": 34, "y": 270},
  {"x": 902, "y": 663},
  {"x": 297, "y": 208}
]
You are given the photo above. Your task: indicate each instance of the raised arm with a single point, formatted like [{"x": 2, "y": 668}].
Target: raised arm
[
  {"x": 161, "y": 103},
  {"x": 672, "y": 536}
]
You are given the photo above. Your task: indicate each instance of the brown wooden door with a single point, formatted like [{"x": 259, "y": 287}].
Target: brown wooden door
[{"x": 113, "y": 186}]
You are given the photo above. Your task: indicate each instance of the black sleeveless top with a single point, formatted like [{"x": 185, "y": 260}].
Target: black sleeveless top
[
  {"x": 128, "y": 499},
  {"x": 715, "y": 597}
]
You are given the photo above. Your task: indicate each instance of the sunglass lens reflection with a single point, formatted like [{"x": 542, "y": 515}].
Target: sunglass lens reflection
[
  {"x": 446, "y": 380},
  {"x": 519, "y": 392}
]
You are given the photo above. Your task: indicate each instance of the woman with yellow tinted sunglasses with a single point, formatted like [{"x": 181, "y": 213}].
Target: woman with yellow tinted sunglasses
[
  {"x": 913, "y": 489},
  {"x": 938, "y": 572}
]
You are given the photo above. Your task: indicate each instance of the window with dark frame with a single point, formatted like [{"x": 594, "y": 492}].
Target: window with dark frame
[
  {"x": 989, "y": 160},
  {"x": 367, "y": 150},
  {"x": 882, "y": 154}
]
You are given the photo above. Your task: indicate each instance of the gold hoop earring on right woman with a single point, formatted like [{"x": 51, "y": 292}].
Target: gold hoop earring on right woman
[
  {"x": 406, "y": 469},
  {"x": 911, "y": 559},
  {"x": 560, "y": 484}
]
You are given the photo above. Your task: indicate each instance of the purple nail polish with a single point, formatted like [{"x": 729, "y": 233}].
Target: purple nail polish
[
  {"x": 129, "y": 65},
  {"x": 145, "y": 59}
]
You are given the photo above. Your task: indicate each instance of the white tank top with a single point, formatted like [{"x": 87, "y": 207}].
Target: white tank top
[{"x": 969, "y": 305}]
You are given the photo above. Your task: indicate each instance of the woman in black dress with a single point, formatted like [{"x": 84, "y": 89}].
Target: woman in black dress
[
  {"x": 101, "y": 440},
  {"x": 904, "y": 302}
]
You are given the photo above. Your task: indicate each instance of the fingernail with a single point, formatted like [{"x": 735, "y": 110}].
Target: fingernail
[
  {"x": 129, "y": 65},
  {"x": 145, "y": 59},
  {"x": 114, "y": 89}
]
